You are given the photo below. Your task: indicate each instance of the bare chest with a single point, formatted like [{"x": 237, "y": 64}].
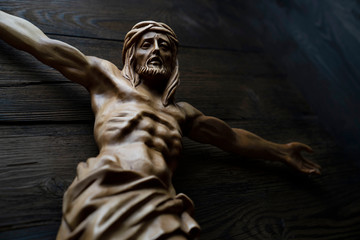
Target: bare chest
[{"x": 138, "y": 119}]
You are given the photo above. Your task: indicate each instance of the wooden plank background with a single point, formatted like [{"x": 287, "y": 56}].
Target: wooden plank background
[{"x": 46, "y": 125}]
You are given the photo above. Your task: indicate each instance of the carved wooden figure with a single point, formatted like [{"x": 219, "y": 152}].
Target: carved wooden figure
[{"x": 126, "y": 192}]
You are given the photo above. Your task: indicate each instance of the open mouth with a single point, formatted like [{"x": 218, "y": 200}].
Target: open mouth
[{"x": 154, "y": 61}]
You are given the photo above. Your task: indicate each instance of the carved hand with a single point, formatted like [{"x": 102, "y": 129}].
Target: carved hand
[{"x": 294, "y": 158}]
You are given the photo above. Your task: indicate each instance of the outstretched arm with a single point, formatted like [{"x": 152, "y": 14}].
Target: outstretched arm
[
  {"x": 66, "y": 59},
  {"x": 214, "y": 131}
]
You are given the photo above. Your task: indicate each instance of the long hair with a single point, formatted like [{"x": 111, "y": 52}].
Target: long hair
[{"x": 128, "y": 56}]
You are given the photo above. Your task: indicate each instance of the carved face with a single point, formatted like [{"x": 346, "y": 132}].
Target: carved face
[{"x": 153, "y": 56}]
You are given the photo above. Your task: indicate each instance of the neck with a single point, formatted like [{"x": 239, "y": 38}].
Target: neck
[{"x": 155, "y": 86}]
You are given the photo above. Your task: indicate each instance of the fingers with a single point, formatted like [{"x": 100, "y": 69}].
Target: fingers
[
  {"x": 299, "y": 162},
  {"x": 311, "y": 164},
  {"x": 297, "y": 146},
  {"x": 306, "y": 166},
  {"x": 311, "y": 171},
  {"x": 310, "y": 167},
  {"x": 304, "y": 147},
  {"x": 308, "y": 149}
]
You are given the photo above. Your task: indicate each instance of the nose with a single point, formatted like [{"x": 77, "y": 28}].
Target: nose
[{"x": 156, "y": 48}]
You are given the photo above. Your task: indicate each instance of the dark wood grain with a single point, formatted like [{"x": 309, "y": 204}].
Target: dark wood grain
[
  {"x": 197, "y": 23},
  {"x": 38, "y": 162},
  {"x": 46, "y": 125}
]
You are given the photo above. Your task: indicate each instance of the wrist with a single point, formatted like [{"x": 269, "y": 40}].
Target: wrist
[{"x": 280, "y": 152}]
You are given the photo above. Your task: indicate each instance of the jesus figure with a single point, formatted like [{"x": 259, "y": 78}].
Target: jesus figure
[{"x": 126, "y": 191}]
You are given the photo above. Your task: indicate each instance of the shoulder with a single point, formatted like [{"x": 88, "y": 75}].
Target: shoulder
[
  {"x": 103, "y": 71},
  {"x": 191, "y": 115},
  {"x": 189, "y": 111},
  {"x": 102, "y": 65}
]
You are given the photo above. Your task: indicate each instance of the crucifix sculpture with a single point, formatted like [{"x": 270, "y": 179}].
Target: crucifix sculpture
[{"x": 126, "y": 191}]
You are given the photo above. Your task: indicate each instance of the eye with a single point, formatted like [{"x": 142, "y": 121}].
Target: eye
[
  {"x": 145, "y": 45},
  {"x": 164, "y": 45}
]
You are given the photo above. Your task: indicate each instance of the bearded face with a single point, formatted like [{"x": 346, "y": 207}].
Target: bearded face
[{"x": 154, "y": 57}]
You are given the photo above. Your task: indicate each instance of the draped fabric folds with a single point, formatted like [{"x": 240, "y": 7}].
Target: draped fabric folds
[{"x": 108, "y": 202}]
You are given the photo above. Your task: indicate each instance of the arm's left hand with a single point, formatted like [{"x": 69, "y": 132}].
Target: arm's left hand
[{"x": 294, "y": 158}]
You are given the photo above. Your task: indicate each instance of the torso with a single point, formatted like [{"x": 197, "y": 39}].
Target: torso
[{"x": 134, "y": 130}]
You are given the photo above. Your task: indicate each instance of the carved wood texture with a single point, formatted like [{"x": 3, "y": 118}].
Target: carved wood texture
[{"x": 46, "y": 126}]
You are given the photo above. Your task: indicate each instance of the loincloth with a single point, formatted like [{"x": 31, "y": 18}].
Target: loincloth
[{"x": 111, "y": 203}]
